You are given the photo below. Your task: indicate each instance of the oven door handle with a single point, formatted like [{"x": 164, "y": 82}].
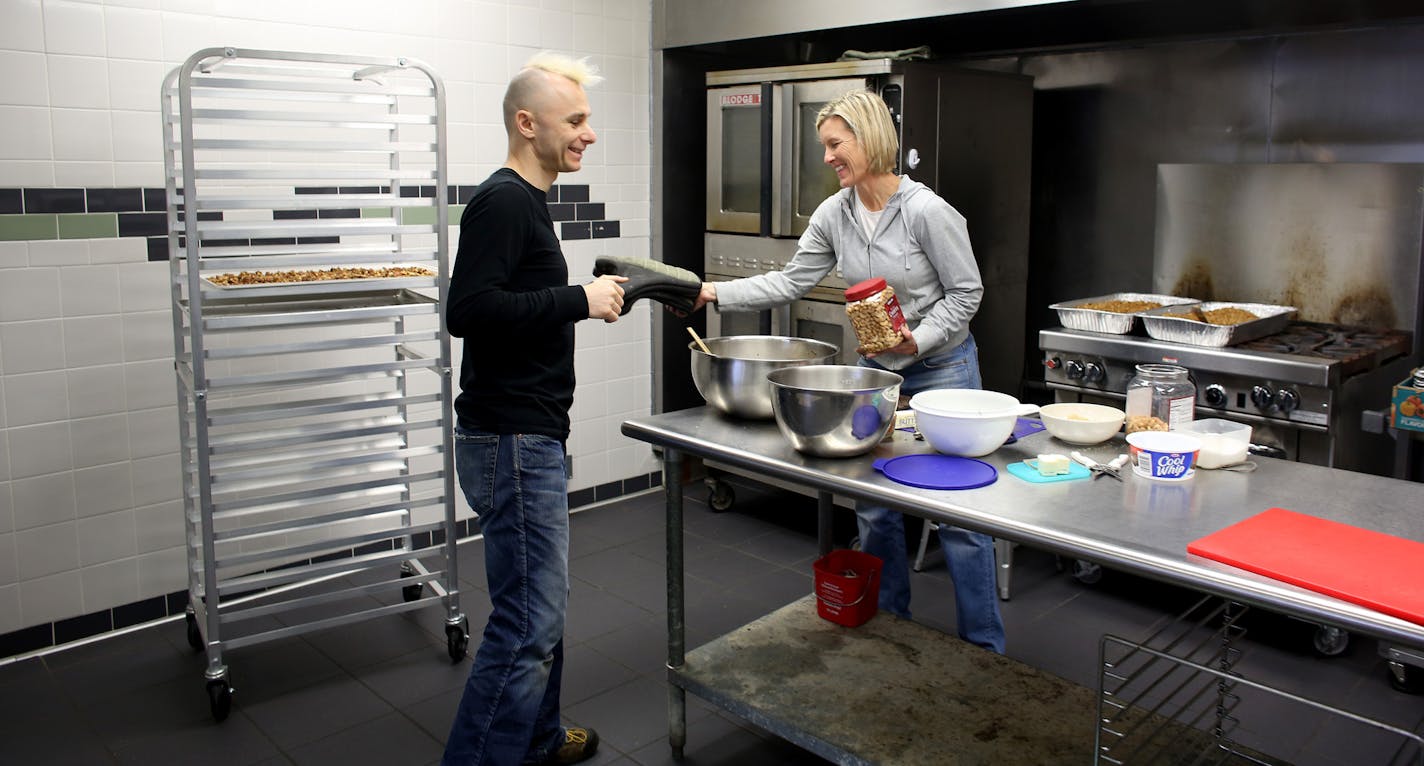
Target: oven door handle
[{"x": 1266, "y": 450}]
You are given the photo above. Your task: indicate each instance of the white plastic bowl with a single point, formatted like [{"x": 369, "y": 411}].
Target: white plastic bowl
[
  {"x": 1081, "y": 423},
  {"x": 1222, "y": 441},
  {"x": 967, "y": 422}
]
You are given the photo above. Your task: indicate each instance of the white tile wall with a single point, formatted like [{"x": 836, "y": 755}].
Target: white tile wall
[{"x": 90, "y": 506}]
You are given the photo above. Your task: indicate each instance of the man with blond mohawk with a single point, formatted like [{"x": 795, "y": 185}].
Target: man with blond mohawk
[{"x": 510, "y": 283}]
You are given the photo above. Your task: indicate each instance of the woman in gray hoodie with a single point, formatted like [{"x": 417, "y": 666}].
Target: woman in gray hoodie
[{"x": 884, "y": 225}]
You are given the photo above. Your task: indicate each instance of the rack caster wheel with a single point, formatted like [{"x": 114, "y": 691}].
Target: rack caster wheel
[
  {"x": 1330, "y": 641},
  {"x": 195, "y": 636},
  {"x": 457, "y": 639},
  {"x": 1406, "y": 678},
  {"x": 220, "y": 699},
  {"x": 1087, "y": 572},
  {"x": 720, "y": 496},
  {"x": 411, "y": 592}
]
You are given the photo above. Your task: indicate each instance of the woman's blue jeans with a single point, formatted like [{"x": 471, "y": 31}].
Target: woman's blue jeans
[
  {"x": 509, "y": 713},
  {"x": 969, "y": 555}
]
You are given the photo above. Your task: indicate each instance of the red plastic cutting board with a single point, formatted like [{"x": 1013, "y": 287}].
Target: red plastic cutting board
[{"x": 1372, "y": 569}]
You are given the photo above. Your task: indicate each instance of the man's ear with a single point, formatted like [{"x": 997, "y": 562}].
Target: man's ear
[{"x": 524, "y": 123}]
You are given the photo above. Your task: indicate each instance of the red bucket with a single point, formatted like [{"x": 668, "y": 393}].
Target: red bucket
[{"x": 847, "y": 587}]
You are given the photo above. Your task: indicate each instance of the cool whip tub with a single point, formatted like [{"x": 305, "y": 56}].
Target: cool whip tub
[{"x": 1164, "y": 455}]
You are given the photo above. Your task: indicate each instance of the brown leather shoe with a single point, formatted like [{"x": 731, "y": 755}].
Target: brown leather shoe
[{"x": 580, "y": 744}]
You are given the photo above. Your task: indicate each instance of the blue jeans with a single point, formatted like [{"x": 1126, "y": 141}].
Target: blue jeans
[
  {"x": 969, "y": 555},
  {"x": 509, "y": 713}
]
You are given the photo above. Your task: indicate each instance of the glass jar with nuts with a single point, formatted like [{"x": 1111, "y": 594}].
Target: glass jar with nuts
[
  {"x": 875, "y": 315},
  {"x": 1160, "y": 397}
]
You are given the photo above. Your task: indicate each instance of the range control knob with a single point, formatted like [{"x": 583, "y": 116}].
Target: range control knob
[
  {"x": 1074, "y": 369},
  {"x": 1052, "y": 363},
  {"x": 1262, "y": 397},
  {"x": 1287, "y": 400},
  {"x": 1092, "y": 372},
  {"x": 1214, "y": 395}
]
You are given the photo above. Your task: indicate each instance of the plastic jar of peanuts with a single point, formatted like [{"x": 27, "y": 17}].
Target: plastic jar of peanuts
[
  {"x": 1160, "y": 397},
  {"x": 875, "y": 315}
]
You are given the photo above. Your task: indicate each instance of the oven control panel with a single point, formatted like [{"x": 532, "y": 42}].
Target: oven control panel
[{"x": 1223, "y": 393}]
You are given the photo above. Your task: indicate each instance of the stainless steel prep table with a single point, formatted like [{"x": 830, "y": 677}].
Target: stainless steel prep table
[{"x": 1139, "y": 526}]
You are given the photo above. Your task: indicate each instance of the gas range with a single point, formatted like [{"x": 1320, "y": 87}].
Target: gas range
[{"x": 1310, "y": 377}]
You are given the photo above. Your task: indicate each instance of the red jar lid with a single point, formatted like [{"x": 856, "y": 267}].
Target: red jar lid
[{"x": 862, "y": 290}]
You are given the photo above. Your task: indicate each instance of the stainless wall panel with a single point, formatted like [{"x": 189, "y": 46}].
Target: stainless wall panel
[
  {"x": 1349, "y": 97},
  {"x": 1103, "y": 122},
  {"x": 1339, "y": 241}
]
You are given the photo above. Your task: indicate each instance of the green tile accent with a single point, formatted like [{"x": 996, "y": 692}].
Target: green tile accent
[
  {"x": 88, "y": 225},
  {"x": 417, "y": 216},
  {"x": 375, "y": 212},
  {"x": 31, "y": 226},
  {"x": 456, "y": 213}
]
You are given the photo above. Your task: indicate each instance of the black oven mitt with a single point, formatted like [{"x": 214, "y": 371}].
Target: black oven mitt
[{"x": 672, "y": 286}]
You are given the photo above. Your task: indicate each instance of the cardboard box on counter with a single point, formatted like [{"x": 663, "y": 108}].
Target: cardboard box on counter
[{"x": 1407, "y": 410}]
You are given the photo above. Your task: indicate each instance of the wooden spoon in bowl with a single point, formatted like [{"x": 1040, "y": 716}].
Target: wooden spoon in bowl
[{"x": 700, "y": 344}]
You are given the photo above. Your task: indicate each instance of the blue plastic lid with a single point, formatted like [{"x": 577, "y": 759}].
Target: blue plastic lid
[{"x": 937, "y": 471}]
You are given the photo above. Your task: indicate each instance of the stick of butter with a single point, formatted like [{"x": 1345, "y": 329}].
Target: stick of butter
[{"x": 1052, "y": 464}]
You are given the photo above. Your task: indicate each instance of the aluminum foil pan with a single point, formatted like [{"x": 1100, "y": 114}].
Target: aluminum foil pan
[
  {"x": 1074, "y": 317},
  {"x": 1176, "y": 329}
]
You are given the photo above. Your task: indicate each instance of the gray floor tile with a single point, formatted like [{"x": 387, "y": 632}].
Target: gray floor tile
[
  {"x": 588, "y": 673},
  {"x": 414, "y": 677},
  {"x": 316, "y": 711},
  {"x": 237, "y": 742},
  {"x": 391, "y": 740},
  {"x": 593, "y": 611},
  {"x": 373, "y": 641},
  {"x": 633, "y": 715}
]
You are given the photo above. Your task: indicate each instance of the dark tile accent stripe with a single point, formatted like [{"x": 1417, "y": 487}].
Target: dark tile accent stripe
[
  {"x": 142, "y": 224},
  {"x": 140, "y": 611},
  {"x": 52, "y": 634},
  {"x": 158, "y": 248},
  {"x": 141, "y": 212},
  {"x": 581, "y": 497},
  {"x": 573, "y": 192},
  {"x": 115, "y": 200},
  {"x": 27, "y": 640},
  {"x": 54, "y": 200},
  {"x": 83, "y": 626},
  {"x": 12, "y": 201}
]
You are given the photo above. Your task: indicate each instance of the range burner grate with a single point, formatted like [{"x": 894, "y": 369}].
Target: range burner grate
[{"x": 1358, "y": 348}]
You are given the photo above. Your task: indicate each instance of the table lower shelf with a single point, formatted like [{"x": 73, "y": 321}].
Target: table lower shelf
[{"x": 894, "y": 692}]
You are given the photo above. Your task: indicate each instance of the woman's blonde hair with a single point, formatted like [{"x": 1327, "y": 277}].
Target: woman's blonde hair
[{"x": 870, "y": 122}]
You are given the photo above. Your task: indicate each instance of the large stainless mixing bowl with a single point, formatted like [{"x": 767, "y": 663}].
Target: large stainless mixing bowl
[
  {"x": 834, "y": 410},
  {"x": 733, "y": 377}
]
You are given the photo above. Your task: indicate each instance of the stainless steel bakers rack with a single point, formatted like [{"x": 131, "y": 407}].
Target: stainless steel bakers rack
[
  {"x": 314, "y": 419},
  {"x": 1180, "y": 697}
]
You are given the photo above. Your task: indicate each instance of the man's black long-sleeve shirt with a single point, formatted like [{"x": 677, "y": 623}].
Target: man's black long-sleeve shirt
[{"x": 510, "y": 300}]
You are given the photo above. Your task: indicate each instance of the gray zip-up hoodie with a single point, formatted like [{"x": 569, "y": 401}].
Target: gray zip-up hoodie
[{"x": 921, "y": 248}]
